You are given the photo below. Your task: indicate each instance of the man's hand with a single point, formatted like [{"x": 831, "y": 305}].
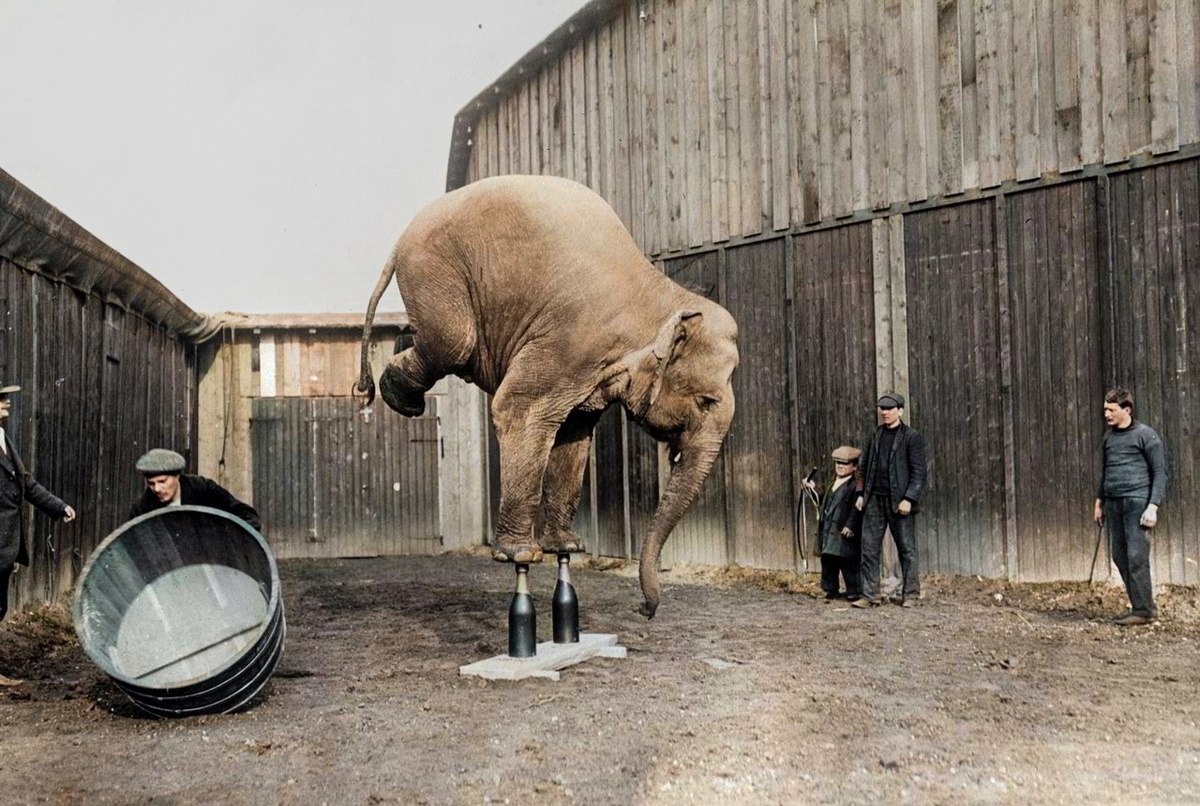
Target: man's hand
[
  {"x": 1150, "y": 516},
  {"x": 810, "y": 484},
  {"x": 905, "y": 507},
  {"x": 68, "y": 515},
  {"x": 1098, "y": 513},
  {"x": 846, "y": 533},
  {"x": 859, "y": 504}
]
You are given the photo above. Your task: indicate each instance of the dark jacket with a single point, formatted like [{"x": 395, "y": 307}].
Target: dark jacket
[
  {"x": 202, "y": 492},
  {"x": 906, "y": 466},
  {"x": 17, "y": 487},
  {"x": 838, "y": 512}
]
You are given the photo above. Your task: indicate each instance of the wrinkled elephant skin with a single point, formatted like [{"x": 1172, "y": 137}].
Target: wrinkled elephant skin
[{"x": 532, "y": 288}]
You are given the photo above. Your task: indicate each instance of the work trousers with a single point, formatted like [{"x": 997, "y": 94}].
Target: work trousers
[
  {"x": 880, "y": 514},
  {"x": 1129, "y": 546},
  {"x": 5, "y": 576},
  {"x": 831, "y": 566}
]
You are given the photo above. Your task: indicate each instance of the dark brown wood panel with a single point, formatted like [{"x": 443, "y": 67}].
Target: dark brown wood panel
[
  {"x": 954, "y": 385},
  {"x": 1155, "y": 225},
  {"x": 1054, "y": 283},
  {"x": 609, "y": 447},
  {"x": 834, "y": 322},
  {"x": 759, "y": 445}
]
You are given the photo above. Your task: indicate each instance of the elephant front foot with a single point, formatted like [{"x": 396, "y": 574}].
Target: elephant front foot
[
  {"x": 561, "y": 541},
  {"x": 517, "y": 553}
]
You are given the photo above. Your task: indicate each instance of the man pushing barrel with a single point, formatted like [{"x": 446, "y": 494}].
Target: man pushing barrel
[{"x": 167, "y": 485}]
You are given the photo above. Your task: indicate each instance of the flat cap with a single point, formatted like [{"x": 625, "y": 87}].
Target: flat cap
[
  {"x": 8, "y": 390},
  {"x": 890, "y": 400},
  {"x": 846, "y": 454},
  {"x": 159, "y": 461}
]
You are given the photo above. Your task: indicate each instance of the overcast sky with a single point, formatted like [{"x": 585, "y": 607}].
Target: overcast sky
[{"x": 253, "y": 155}]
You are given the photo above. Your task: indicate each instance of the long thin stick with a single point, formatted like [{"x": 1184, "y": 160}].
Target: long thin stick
[{"x": 1096, "y": 553}]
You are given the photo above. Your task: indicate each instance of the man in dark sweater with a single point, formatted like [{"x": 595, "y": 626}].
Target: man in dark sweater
[
  {"x": 1133, "y": 484},
  {"x": 166, "y": 485},
  {"x": 890, "y": 482}
]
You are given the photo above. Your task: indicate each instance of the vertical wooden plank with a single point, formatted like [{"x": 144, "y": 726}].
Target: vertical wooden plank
[
  {"x": 1025, "y": 100},
  {"x": 1187, "y": 65},
  {"x": 898, "y": 90},
  {"x": 594, "y": 121},
  {"x": 824, "y": 72},
  {"x": 606, "y": 152},
  {"x": 634, "y": 57},
  {"x": 1046, "y": 39},
  {"x": 652, "y": 166},
  {"x": 580, "y": 126},
  {"x": 504, "y": 143},
  {"x": 1164, "y": 77},
  {"x": 899, "y": 311},
  {"x": 804, "y": 74},
  {"x": 781, "y": 121},
  {"x": 841, "y": 155},
  {"x": 718, "y": 106},
  {"x": 534, "y": 130},
  {"x": 555, "y": 116},
  {"x": 1066, "y": 85},
  {"x": 950, "y": 102},
  {"x": 765, "y": 150},
  {"x": 988, "y": 91},
  {"x": 868, "y": 157},
  {"x": 912, "y": 52},
  {"x": 568, "y": 131},
  {"x": 697, "y": 108},
  {"x": 970, "y": 94},
  {"x": 1011, "y": 556},
  {"x": 881, "y": 264},
  {"x": 1006, "y": 119},
  {"x": 621, "y": 83},
  {"x": 545, "y": 116},
  {"x": 671, "y": 155},
  {"x": 1114, "y": 98},
  {"x": 749, "y": 97},
  {"x": 1088, "y": 44},
  {"x": 1137, "y": 75}
]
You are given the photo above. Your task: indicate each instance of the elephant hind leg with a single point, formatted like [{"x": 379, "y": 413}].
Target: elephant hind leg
[
  {"x": 562, "y": 484},
  {"x": 406, "y": 379}
]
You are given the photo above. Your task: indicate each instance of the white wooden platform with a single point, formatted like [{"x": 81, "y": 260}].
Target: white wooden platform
[{"x": 549, "y": 659}]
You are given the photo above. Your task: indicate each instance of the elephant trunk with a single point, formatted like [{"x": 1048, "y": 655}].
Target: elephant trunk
[{"x": 687, "y": 477}]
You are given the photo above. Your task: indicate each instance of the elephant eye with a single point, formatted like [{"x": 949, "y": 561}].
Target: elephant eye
[{"x": 706, "y": 402}]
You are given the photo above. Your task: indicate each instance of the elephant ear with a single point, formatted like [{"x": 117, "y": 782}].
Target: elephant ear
[{"x": 669, "y": 343}]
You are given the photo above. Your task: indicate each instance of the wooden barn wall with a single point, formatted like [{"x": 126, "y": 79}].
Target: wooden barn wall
[
  {"x": 705, "y": 120},
  {"x": 1057, "y": 379},
  {"x": 834, "y": 324},
  {"x": 955, "y": 385},
  {"x": 328, "y": 483},
  {"x": 1154, "y": 216},
  {"x": 100, "y": 386}
]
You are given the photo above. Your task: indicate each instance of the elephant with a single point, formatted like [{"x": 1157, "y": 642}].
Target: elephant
[{"x": 531, "y": 288}]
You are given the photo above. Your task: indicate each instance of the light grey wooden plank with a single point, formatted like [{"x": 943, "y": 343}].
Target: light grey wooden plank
[
  {"x": 671, "y": 149},
  {"x": 718, "y": 159},
  {"x": 607, "y": 149},
  {"x": 749, "y": 117},
  {"x": 1114, "y": 97},
  {"x": 842, "y": 201},
  {"x": 554, "y": 135},
  {"x": 781, "y": 121},
  {"x": 1090, "y": 141},
  {"x": 1164, "y": 78},
  {"x": 580, "y": 127},
  {"x": 591, "y": 86},
  {"x": 1066, "y": 85},
  {"x": 950, "y": 119},
  {"x": 805, "y": 76},
  {"x": 970, "y": 94},
  {"x": 701, "y": 224},
  {"x": 881, "y": 266},
  {"x": 765, "y": 150},
  {"x": 867, "y": 153},
  {"x": 912, "y": 51},
  {"x": 1187, "y": 63},
  {"x": 824, "y": 71},
  {"x": 1137, "y": 74},
  {"x": 1048, "y": 132},
  {"x": 987, "y": 91},
  {"x": 899, "y": 300},
  {"x": 620, "y": 83},
  {"x": 897, "y": 84},
  {"x": 651, "y": 111},
  {"x": 931, "y": 72}
]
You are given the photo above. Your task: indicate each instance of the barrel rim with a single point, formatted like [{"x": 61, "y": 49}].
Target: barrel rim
[{"x": 116, "y": 534}]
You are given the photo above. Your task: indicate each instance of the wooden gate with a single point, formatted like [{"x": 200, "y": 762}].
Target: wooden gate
[{"x": 328, "y": 483}]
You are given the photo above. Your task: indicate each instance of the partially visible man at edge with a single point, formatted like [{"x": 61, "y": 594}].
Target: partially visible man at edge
[
  {"x": 167, "y": 485},
  {"x": 17, "y": 487},
  {"x": 1133, "y": 484}
]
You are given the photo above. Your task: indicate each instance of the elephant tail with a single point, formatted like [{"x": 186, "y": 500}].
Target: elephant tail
[{"x": 364, "y": 387}]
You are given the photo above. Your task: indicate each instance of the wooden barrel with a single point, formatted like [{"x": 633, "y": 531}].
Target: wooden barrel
[{"x": 182, "y": 608}]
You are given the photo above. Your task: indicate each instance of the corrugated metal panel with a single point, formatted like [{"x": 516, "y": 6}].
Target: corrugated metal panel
[
  {"x": 699, "y": 538},
  {"x": 954, "y": 368},
  {"x": 329, "y": 484},
  {"x": 1155, "y": 220},
  {"x": 759, "y": 445},
  {"x": 834, "y": 323},
  {"x": 1054, "y": 283}
]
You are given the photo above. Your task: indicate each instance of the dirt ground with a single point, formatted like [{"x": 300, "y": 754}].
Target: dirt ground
[{"x": 747, "y": 688}]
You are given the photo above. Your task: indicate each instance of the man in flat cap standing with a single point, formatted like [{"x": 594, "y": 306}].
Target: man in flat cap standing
[
  {"x": 889, "y": 487},
  {"x": 17, "y": 487},
  {"x": 840, "y": 525},
  {"x": 167, "y": 485}
]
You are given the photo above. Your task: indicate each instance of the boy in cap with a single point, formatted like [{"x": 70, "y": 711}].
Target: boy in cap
[
  {"x": 17, "y": 487},
  {"x": 167, "y": 485},
  {"x": 840, "y": 522},
  {"x": 890, "y": 483}
]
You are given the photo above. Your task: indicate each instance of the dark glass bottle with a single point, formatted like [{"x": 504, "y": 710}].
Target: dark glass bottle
[
  {"x": 566, "y": 605},
  {"x": 522, "y": 621}
]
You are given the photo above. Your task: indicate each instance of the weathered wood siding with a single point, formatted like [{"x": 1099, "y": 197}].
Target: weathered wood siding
[
  {"x": 99, "y": 387},
  {"x": 329, "y": 483},
  {"x": 703, "y": 120}
]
